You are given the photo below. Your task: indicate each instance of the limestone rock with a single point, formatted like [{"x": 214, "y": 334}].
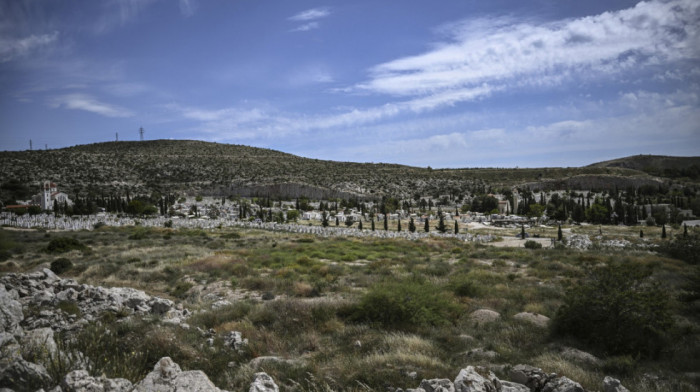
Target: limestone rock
[
  {"x": 234, "y": 339},
  {"x": 10, "y": 312},
  {"x": 40, "y": 342},
  {"x": 613, "y": 385},
  {"x": 437, "y": 385},
  {"x": 481, "y": 353},
  {"x": 532, "y": 377},
  {"x": 469, "y": 380},
  {"x": 9, "y": 349},
  {"x": 81, "y": 381},
  {"x": 575, "y": 355},
  {"x": 484, "y": 316},
  {"x": 263, "y": 383},
  {"x": 562, "y": 384},
  {"x": 536, "y": 319},
  {"x": 21, "y": 376},
  {"x": 168, "y": 377},
  {"x": 507, "y": 386}
]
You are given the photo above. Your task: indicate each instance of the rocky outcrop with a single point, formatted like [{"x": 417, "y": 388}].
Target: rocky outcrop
[
  {"x": 533, "y": 318},
  {"x": 168, "y": 377},
  {"x": 484, "y": 316},
  {"x": 81, "y": 381},
  {"x": 613, "y": 385},
  {"x": 263, "y": 383},
  {"x": 64, "y": 304}
]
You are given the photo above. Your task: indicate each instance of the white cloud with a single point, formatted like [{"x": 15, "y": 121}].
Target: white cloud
[
  {"x": 306, "y": 27},
  {"x": 504, "y": 52},
  {"x": 18, "y": 47},
  {"x": 89, "y": 104},
  {"x": 310, "y": 14}
]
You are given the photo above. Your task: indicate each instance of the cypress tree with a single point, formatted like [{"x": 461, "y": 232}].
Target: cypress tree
[
  {"x": 559, "y": 234},
  {"x": 441, "y": 224},
  {"x": 360, "y": 226},
  {"x": 522, "y": 231},
  {"x": 372, "y": 224},
  {"x": 641, "y": 233},
  {"x": 399, "y": 227},
  {"x": 663, "y": 231},
  {"x": 427, "y": 225},
  {"x": 324, "y": 219},
  {"x": 411, "y": 226},
  {"x": 456, "y": 228},
  {"x": 685, "y": 230},
  {"x": 337, "y": 221},
  {"x": 386, "y": 222}
]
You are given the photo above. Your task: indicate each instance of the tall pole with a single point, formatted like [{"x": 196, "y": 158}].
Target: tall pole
[
  {"x": 141, "y": 133},
  {"x": 30, "y": 144},
  {"x": 117, "y": 136}
]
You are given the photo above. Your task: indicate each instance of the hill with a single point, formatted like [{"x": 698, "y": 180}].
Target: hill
[
  {"x": 224, "y": 169},
  {"x": 658, "y": 165}
]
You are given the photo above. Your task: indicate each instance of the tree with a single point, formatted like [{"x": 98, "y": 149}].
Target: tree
[
  {"x": 663, "y": 231},
  {"x": 427, "y": 225},
  {"x": 372, "y": 224},
  {"x": 386, "y": 222},
  {"x": 641, "y": 233},
  {"x": 441, "y": 223},
  {"x": 456, "y": 228},
  {"x": 399, "y": 225},
  {"x": 559, "y": 234},
  {"x": 292, "y": 215},
  {"x": 536, "y": 210},
  {"x": 597, "y": 214},
  {"x": 337, "y": 221},
  {"x": 685, "y": 230},
  {"x": 348, "y": 221},
  {"x": 324, "y": 219},
  {"x": 522, "y": 231},
  {"x": 359, "y": 227},
  {"x": 411, "y": 226}
]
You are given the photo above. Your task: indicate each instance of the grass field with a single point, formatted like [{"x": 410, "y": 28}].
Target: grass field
[{"x": 365, "y": 313}]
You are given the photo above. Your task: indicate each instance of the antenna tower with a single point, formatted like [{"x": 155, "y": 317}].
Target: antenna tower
[
  {"x": 141, "y": 131},
  {"x": 30, "y": 144},
  {"x": 117, "y": 136}
]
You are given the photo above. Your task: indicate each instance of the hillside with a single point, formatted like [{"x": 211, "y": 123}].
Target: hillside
[
  {"x": 223, "y": 169},
  {"x": 657, "y": 165}
]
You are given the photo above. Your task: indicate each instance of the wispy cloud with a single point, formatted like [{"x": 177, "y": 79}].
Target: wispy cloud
[
  {"x": 504, "y": 52},
  {"x": 89, "y": 104},
  {"x": 310, "y": 17},
  {"x": 188, "y": 7},
  {"x": 11, "y": 48},
  {"x": 311, "y": 14}
]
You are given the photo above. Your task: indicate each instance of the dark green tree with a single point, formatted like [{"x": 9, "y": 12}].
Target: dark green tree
[
  {"x": 386, "y": 222},
  {"x": 399, "y": 225},
  {"x": 324, "y": 219},
  {"x": 427, "y": 225},
  {"x": 411, "y": 226},
  {"x": 372, "y": 224},
  {"x": 663, "y": 231},
  {"x": 359, "y": 227},
  {"x": 337, "y": 221},
  {"x": 559, "y": 234},
  {"x": 456, "y": 228},
  {"x": 641, "y": 233}
]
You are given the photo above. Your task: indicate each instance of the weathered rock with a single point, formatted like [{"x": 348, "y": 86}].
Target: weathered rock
[
  {"x": 562, "y": 384},
  {"x": 536, "y": 319},
  {"x": 81, "y": 381},
  {"x": 532, "y": 377},
  {"x": 576, "y": 355},
  {"x": 10, "y": 312},
  {"x": 168, "y": 377},
  {"x": 437, "y": 385},
  {"x": 40, "y": 342},
  {"x": 508, "y": 386},
  {"x": 234, "y": 339},
  {"x": 9, "y": 349},
  {"x": 480, "y": 353},
  {"x": 484, "y": 316},
  {"x": 613, "y": 385},
  {"x": 21, "y": 376},
  {"x": 258, "y": 361},
  {"x": 471, "y": 380},
  {"x": 263, "y": 383}
]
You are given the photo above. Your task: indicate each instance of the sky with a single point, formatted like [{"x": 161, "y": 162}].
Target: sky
[{"x": 447, "y": 84}]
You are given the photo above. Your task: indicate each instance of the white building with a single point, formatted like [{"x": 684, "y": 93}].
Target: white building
[{"x": 50, "y": 195}]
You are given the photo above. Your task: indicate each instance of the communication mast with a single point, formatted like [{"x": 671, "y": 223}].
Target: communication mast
[{"x": 141, "y": 131}]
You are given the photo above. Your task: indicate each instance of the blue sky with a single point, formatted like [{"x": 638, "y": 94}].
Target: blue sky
[{"x": 455, "y": 83}]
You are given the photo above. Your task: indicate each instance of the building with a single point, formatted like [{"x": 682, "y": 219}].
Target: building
[{"x": 50, "y": 195}]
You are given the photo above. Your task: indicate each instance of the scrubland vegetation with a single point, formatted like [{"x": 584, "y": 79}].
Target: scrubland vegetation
[{"x": 368, "y": 313}]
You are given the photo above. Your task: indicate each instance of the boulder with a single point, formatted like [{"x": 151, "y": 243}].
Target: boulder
[
  {"x": 532, "y": 377},
  {"x": 81, "y": 381},
  {"x": 471, "y": 380},
  {"x": 562, "y": 384},
  {"x": 576, "y": 355},
  {"x": 263, "y": 383},
  {"x": 480, "y": 353},
  {"x": 21, "y": 376},
  {"x": 508, "y": 386},
  {"x": 40, "y": 342},
  {"x": 168, "y": 377},
  {"x": 613, "y": 385},
  {"x": 533, "y": 318},
  {"x": 437, "y": 385},
  {"x": 482, "y": 316},
  {"x": 9, "y": 349},
  {"x": 10, "y": 312}
]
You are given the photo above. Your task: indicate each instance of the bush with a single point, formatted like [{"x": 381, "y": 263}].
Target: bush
[
  {"x": 533, "y": 245},
  {"x": 61, "y": 265},
  {"x": 617, "y": 310},
  {"x": 465, "y": 287},
  {"x": 64, "y": 244},
  {"x": 405, "y": 305},
  {"x": 686, "y": 248}
]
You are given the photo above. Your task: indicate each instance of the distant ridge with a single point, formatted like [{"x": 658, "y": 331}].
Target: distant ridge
[{"x": 197, "y": 167}]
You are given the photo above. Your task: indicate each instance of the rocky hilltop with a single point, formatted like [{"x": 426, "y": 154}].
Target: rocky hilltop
[
  {"x": 197, "y": 167},
  {"x": 33, "y": 308}
]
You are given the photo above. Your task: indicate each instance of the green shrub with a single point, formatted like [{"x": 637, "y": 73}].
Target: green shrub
[
  {"x": 686, "y": 248},
  {"x": 618, "y": 310},
  {"x": 623, "y": 365},
  {"x": 61, "y": 265},
  {"x": 530, "y": 244},
  {"x": 64, "y": 244},
  {"x": 463, "y": 286},
  {"x": 405, "y": 305}
]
